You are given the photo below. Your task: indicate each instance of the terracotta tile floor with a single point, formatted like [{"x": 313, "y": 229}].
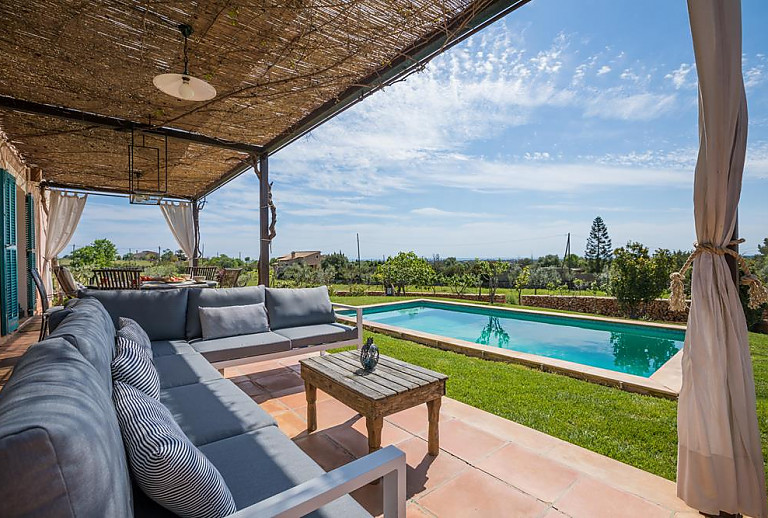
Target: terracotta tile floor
[{"x": 487, "y": 466}]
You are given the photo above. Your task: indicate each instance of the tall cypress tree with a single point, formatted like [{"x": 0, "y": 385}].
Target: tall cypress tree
[{"x": 599, "y": 250}]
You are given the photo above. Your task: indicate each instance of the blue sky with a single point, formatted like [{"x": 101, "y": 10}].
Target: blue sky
[{"x": 558, "y": 113}]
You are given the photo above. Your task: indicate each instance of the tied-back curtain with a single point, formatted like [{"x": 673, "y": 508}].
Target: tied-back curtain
[
  {"x": 720, "y": 464},
  {"x": 64, "y": 211},
  {"x": 182, "y": 225}
]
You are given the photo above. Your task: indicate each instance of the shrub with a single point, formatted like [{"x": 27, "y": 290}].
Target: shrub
[{"x": 636, "y": 277}]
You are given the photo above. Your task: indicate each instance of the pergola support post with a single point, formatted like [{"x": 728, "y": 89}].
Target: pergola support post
[
  {"x": 196, "y": 206},
  {"x": 261, "y": 165}
]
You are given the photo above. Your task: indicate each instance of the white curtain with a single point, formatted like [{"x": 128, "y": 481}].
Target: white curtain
[
  {"x": 64, "y": 211},
  {"x": 720, "y": 465},
  {"x": 182, "y": 225}
]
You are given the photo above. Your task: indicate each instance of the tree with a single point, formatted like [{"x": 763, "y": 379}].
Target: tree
[
  {"x": 636, "y": 277},
  {"x": 168, "y": 256},
  {"x": 548, "y": 260},
  {"x": 404, "y": 269},
  {"x": 542, "y": 277},
  {"x": 99, "y": 254},
  {"x": 598, "y": 252},
  {"x": 521, "y": 281},
  {"x": 492, "y": 271},
  {"x": 337, "y": 260},
  {"x": 461, "y": 282}
]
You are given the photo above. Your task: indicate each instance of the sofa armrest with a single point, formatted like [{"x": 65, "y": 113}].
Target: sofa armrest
[
  {"x": 309, "y": 496},
  {"x": 358, "y": 320}
]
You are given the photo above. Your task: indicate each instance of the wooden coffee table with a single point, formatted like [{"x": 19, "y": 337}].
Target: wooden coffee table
[{"x": 392, "y": 387}]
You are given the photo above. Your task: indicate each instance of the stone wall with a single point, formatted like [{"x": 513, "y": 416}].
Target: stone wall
[
  {"x": 500, "y": 298},
  {"x": 608, "y": 306}
]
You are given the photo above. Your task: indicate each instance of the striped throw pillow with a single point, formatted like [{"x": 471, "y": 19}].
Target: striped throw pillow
[
  {"x": 131, "y": 365},
  {"x": 164, "y": 463},
  {"x": 130, "y": 329}
]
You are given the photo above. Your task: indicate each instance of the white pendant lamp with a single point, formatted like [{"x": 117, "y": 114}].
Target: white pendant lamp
[{"x": 184, "y": 86}]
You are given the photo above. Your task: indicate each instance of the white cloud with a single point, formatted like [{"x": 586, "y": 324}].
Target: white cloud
[
  {"x": 611, "y": 104},
  {"x": 679, "y": 76},
  {"x": 603, "y": 70},
  {"x": 440, "y": 213}
]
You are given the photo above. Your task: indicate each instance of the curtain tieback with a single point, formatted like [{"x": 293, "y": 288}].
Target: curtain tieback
[{"x": 758, "y": 294}]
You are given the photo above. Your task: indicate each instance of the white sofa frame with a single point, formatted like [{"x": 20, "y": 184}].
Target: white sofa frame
[
  {"x": 357, "y": 342},
  {"x": 387, "y": 463}
]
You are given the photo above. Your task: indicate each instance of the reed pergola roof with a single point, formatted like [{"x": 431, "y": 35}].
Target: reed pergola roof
[{"x": 77, "y": 76}]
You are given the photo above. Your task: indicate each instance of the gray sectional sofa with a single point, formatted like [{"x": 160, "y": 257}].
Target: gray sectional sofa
[
  {"x": 299, "y": 319},
  {"x": 61, "y": 452}
]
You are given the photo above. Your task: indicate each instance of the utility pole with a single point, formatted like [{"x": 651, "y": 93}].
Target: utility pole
[
  {"x": 359, "y": 274},
  {"x": 567, "y": 256},
  {"x": 73, "y": 249}
]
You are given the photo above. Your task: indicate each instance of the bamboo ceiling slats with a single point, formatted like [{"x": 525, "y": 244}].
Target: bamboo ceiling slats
[{"x": 272, "y": 62}]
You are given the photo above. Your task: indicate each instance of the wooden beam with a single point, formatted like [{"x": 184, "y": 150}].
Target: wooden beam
[
  {"x": 116, "y": 123},
  {"x": 262, "y": 169},
  {"x": 196, "y": 224}
]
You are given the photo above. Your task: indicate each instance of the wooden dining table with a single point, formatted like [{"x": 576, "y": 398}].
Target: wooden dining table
[{"x": 162, "y": 285}]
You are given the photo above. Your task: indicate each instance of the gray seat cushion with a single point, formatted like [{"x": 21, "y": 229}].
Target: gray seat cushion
[
  {"x": 216, "y": 298},
  {"x": 263, "y": 463},
  {"x": 289, "y": 307},
  {"x": 318, "y": 334},
  {"x": 61, "y": 453},
  {"x": 243, "y": 346},
  {"x": 169, "y": 347},
  {"x": 176, "y": 370},
  {"x": 213, "y": 410},
  {"x": 162, "y": 314},
  {"x": 90, "y": 330}
]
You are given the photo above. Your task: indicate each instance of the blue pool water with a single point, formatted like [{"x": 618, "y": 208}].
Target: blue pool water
[{"x": 634, "y": 349}]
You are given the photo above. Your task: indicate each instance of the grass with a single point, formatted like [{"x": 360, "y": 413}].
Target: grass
[{"x": 634, "y": 429}]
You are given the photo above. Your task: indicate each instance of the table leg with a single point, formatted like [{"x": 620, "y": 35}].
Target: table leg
[
  {"x": 433, "y": 410},
  {"x": 311, "y": 392},
  {"x": 374, "y": 426}
]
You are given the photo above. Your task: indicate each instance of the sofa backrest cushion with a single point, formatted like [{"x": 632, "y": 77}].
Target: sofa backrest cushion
[
  {"x": 61, "y": 453},
  {"x": 216, "y": 298},
  {"x": 161, "y": 313},
  {"x": 233, "y": 321},
  {"x": 293, "y": 307},
  {"x": 89, "y": 328}
]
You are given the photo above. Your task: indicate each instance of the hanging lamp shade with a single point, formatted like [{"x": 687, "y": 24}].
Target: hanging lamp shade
[{"x": 184, "y": 86}]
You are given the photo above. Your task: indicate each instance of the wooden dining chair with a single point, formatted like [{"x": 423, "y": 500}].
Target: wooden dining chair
[
  {"x": 47, "y": 310},
  {"x": 117, "y": 278},
  {"x": 228, "y": 277},
  {"x": 211, "y": 273}
]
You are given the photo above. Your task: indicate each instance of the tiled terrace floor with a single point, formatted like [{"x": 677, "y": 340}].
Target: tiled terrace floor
[{"x": 488, "y": 466}]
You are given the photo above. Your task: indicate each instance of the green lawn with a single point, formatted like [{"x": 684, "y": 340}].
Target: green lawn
[{"x": 638, "y": 430}]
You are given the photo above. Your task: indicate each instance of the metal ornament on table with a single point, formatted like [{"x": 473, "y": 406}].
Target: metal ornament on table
[{"x": 369, "y": 355}]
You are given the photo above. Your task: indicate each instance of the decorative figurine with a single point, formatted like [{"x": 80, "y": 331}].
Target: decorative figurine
[{"x": 369, "y": 355}]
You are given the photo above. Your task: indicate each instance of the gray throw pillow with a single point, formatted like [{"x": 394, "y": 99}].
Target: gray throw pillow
[{"x": 233, "y": 321}]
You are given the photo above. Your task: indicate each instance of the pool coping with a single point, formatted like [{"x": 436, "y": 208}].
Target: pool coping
[{"x": 665, "y": 382}]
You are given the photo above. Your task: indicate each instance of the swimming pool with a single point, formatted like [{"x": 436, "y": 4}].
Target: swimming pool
[{"x": 633, "y": 349}]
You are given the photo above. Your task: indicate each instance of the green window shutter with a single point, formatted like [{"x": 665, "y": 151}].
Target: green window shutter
[
  {"x": 8, "y": 268},
  {"x": 31, "y": 255}
]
